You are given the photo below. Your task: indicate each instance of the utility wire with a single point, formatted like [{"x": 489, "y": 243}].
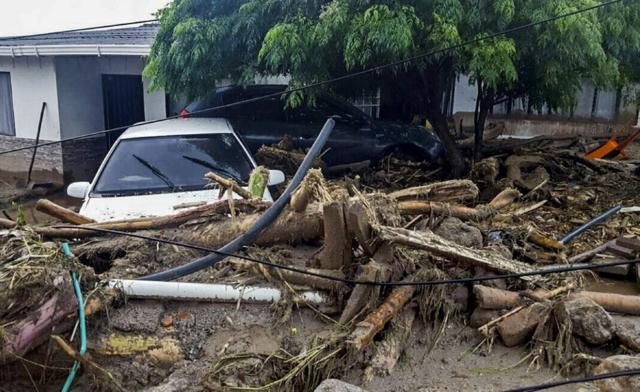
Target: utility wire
[
  {"x": 337, "y": 79},
  {"x": 546, "y": 271},
  {"x": 533, "y": 388},
  {"x": 9, "y": 38}
]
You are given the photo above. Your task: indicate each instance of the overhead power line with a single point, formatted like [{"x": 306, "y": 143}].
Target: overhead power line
[
  {"x": 78, "y": 30},
  {"x": 268, "y": 263},
  {"x": 337, "y": 79}
]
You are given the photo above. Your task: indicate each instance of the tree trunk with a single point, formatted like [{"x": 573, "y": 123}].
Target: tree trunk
[
  {"x": 453, "y": 154},
  {"x": 434, "y": 82},
  {"x": 484, "y": 103},
  {"x": 64, "y": 214}
]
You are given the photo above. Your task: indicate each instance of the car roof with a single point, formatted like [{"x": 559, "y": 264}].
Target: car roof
[{"x": 179, "y": 126}]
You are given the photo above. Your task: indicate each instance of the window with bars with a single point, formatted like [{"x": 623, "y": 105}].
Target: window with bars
[
  {"x": 369, "y": 102},
  {"x": 7, "y": 122}
]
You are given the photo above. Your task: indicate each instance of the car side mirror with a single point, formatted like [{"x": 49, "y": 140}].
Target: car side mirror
[
  {"x": 276, "y": 177},
  {"x": 78, "y": 189}
]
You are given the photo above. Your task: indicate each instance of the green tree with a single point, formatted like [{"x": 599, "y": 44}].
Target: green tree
[{"x": 201, "y": 41}]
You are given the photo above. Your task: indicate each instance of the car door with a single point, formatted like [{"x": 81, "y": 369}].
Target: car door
[{"x": 352, "y": 138}]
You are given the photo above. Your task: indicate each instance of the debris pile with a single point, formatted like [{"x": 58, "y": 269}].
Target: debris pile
[{"x": 362, "y": 250}]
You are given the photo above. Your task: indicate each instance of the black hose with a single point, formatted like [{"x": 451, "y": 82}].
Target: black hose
[{"x": 265, "y": 220}]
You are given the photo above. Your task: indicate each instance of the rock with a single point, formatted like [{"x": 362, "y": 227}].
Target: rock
[
  {"x": 495, "y": 283},
  {"x": 480, "y": 317},
  {"x": 459, "y": 232},
  {"x": 138, "y": 316},
  {"x": 618, "y": 363},
  {"x": 628, "y": 331},
  {"x": 589, "y": 320},
  {"x": 485, "y": 172},
  {"x": 334, "y": 385},
  {"x": 517, "y": 328},
  {"x": 460, "y": 297}
]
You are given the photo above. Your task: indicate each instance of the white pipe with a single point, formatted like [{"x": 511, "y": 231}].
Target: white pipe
[{"x": 206, "y": 292}]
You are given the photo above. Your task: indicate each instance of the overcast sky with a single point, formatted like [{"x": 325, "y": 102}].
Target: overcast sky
[{"x": 40, "y": 16}]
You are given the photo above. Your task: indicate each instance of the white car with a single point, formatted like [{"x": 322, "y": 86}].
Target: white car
[{"x": 156, "y": 169}]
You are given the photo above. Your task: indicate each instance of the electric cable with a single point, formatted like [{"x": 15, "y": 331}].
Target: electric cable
[
  {"x": 540, "y": 387},
  {"x": 333, "y": 80},
  {"x": 268, "y": 263}
]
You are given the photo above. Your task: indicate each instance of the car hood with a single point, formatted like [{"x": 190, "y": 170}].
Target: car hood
[{"x": 105, "y": 209}]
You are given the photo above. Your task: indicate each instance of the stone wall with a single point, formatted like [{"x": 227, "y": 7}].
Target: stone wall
[
  {"x": 76, "y": 160},
  {"x": 47, "y": 166},
  {"x": 81, "y": 158}
]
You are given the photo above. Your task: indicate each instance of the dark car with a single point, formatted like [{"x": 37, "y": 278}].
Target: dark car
[{"x": 356, "y": 136}]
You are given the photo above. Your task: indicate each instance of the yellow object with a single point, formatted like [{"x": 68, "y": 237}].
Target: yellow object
[{"x": 133, "y": 344}]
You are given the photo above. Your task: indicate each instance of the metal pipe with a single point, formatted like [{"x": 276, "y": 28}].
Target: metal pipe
[
  {"x": 35, "y": 148},
  {"x": 598, "y": 219}
]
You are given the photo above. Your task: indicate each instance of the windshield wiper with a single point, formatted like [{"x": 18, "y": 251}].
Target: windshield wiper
[
  {"x": 157, "y": 172},
  {"x": 211, "y": 166}
]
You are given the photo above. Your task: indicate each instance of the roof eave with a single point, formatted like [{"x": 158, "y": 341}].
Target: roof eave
[{"x": 75, "y": 50}]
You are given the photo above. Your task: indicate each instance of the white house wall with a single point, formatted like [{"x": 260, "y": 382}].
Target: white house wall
[{"x": 33, "y": 81}]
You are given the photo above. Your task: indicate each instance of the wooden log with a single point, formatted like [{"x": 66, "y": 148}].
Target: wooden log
[
  {"x": 539, "y": 294},
  {"x": 294, "y": 277},
  {"x": 389, "y": 350},
  {"x": 64, "y": 214},
  {"x": 516, "y": 329},
  {"x": 540, "y": 239},
  {"x": 427, "y": 240},
  {"x": 361, "y": 294},
  {"x": 301, "y": 197},
  {"x": 375, "y": 321},
  {"x": 290, "y": 228},
  {"x": 163, "y": 222},
  {"x": 492, "y": 298},
  {"x": 480, "y": 212},
  {"x": 336, "y": 252},
  {"x": 7, "y": 223},
  {"x": 230, "y": 184},
  {"x": 617, "y": 303},
  {"x": 445, "y": 191},
  {"x": 359, "y": 225}
]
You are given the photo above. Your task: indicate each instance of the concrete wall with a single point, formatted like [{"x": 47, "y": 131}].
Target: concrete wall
[
  {"x": 465, "y": 102},
  {"x": 80, "y": 95}
]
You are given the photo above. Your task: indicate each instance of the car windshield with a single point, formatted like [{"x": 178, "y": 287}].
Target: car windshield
[{"x": 172, "y": 163}]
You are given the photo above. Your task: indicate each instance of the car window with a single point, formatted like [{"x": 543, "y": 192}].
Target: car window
[
  {"x": 323, "y": 108},
  {"x": 266, "y": 109},
  {"x": 172, "y": 163}
]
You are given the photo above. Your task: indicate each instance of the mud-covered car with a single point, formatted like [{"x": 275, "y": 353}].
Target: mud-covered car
[
  {"x": 154, "y": 169},
  {"x": 356, "y": 136}
]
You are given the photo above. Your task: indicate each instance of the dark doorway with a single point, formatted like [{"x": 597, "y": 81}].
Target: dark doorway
[{"x": 123, "y": 102}]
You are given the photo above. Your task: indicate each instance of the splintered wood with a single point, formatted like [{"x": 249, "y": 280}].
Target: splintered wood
[
  {"x": 427, "y": 240},
  {"x": 449, "y": 191}
]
